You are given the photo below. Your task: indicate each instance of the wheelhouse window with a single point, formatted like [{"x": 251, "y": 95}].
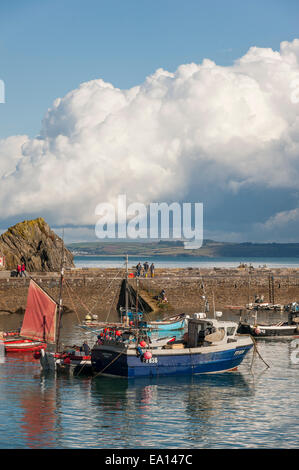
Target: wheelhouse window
[{"x": 230, "y": 330}]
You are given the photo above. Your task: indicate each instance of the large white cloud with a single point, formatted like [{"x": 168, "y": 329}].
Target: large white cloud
[{"x": 204, "y": 125}]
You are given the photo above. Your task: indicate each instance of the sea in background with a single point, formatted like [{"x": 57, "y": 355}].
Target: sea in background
[{"x": 182, "y": 262}]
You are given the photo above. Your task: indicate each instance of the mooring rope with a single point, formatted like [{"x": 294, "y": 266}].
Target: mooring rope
[
  {"x": 116, "y": 357},
  {"x": 255, "y": 350},
  {"x": 82, "y": 368}
]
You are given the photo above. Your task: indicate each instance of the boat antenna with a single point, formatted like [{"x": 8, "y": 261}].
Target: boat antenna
[
  {"x": 214, "y": 305},
  {"x": 60, "y": 293}
]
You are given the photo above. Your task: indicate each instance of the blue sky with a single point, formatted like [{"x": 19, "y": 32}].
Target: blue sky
[
  {"x": 49, "y": 47},
  {"x": 237, "y": 153}
]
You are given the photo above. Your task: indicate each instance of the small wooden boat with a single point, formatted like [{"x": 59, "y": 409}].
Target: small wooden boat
[
  {"x": 67, "y": 361},
  {"x": 283, "y": 329},
  {"x": 176, "y": 322},
  {"x": 38, "y": 325},
  {"x": 23, "y": 345},
  {"x": 172, "y": 324}
]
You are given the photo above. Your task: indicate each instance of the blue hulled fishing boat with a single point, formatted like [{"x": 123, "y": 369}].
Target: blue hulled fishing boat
[{"x": 209, "y": 346}]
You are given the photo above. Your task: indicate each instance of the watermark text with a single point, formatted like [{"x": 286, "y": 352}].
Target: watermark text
[
  {"x": 175, "y": 221},
  {"x": 295, "y": 353}
]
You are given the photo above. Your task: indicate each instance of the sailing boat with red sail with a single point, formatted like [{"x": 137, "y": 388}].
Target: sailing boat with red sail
[{"x": 39, "y": 323}]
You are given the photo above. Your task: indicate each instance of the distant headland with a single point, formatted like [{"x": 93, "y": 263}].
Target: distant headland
[{"x": 210, "y": 248}]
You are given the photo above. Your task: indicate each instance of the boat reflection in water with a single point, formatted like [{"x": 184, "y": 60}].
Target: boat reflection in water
[
  {"x": 39, "y": 419},
  {"x": 31, "y": 407},
  {"x": 143, "y": 412}
]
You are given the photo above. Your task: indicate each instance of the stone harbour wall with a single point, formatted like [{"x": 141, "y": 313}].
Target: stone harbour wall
[{"x": 99, "y": 290}]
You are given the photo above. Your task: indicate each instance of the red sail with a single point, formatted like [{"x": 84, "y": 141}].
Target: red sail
[{"x": 40, "y": 315}]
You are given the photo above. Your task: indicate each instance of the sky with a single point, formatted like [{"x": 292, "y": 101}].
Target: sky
[{"x": 159, "y": 100}]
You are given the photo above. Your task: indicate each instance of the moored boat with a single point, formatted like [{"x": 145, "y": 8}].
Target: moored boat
[
  {"x": 38, "y": 324},
  {"x": 65, "y": 361},
  {"x": 69, "y": 359},
  {"x": 171, "y": 324},
  {"x": 23, "y": 345},
  {"x": 209, "y": 346},
  {"x": 282, "y": 329}
]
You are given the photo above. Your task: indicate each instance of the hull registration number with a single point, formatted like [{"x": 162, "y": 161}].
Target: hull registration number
[
  {"x": 239, "y": 352},
  {"x": 152, "y": 360}
]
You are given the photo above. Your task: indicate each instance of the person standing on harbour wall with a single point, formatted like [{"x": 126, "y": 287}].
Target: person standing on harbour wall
[
  {"x": 138, "y": 269},
  {"x": 19, "y": 271},
  {"x": 145, "y": 267},
  {"x": 23, "y": 269},
  {"x": 152, "y": 269}
]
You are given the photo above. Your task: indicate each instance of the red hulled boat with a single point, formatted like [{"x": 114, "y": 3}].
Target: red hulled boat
[{"x": 39, "y": 323}]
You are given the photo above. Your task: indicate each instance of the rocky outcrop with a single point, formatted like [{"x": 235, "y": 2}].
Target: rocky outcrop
[{"x": 35, "y": 244}]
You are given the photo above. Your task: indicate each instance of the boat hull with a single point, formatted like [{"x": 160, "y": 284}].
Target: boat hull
[
  {"x": 70, "y": 364},
  {"x": 265, "y": 331},
  {"x": 166, "y": 326},
  {"x": 108, "y": 361},
  {"x": 23, "y": 346}
]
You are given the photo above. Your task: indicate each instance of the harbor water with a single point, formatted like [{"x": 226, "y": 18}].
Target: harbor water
[{"x": 243, "y": 409}]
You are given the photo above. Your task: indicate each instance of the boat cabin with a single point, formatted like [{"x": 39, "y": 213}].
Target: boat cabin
[{"x": 202, "y": 332}]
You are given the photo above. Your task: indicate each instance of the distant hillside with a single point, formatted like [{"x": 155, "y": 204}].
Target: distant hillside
[{"x": 210, "y": 248}]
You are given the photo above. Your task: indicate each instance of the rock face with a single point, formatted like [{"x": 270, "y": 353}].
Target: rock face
[{"x": 35, "y": 244}]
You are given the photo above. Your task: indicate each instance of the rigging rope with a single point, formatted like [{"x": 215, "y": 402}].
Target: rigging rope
[
  {"x": 82, "y": 303},
  {"x": 108, "y": 287},
  {"x": 101, "y": 371},
  {"x": 74, "y": 308}
]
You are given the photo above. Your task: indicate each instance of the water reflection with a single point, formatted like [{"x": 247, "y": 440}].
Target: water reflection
[
  {"x": 206, "y": 402},
  {"x": 39, "y": 416},
  {"x": 145, "y": 408}
]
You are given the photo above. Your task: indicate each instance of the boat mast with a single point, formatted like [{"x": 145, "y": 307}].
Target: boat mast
[
  {"x": 126, "y": 287},
  {"x": 137, "y": 316},
  {"x": 214, "y": 305},
  {"x": 60, "y": 294}
]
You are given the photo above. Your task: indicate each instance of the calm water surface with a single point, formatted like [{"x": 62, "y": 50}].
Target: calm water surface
[{"x": 215, "y": 411}]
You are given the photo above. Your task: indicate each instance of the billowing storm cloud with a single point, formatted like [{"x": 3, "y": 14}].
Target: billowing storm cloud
[{"x": 205, "y": 133}]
